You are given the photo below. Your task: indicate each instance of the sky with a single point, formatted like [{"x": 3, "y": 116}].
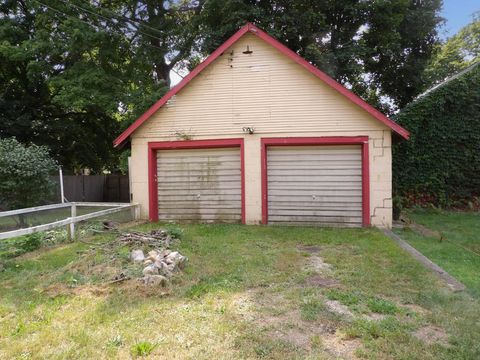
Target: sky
[{"x": 457, "y": 14}]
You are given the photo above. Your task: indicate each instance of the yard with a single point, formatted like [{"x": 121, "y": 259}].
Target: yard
[
  {"x": 247, "y": 292},
  {"x": 458, "y": 250}
]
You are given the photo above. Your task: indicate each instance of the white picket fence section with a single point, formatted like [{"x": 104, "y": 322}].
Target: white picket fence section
[{"x": 70, "y": 221}]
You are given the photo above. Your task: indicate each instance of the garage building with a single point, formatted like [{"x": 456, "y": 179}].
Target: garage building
[{"x": 256, "y": 134}]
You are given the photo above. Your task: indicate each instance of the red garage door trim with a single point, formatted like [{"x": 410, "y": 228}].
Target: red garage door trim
[
  {"x": 153, "y": 147},
  {"x": 306, "y": 141}
]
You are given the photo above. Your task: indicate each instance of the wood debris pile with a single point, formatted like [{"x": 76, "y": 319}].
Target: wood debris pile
[{"x": 155, "y": 239}]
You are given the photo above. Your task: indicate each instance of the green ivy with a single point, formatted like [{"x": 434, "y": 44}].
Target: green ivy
[{"x": 440, "y": 164}]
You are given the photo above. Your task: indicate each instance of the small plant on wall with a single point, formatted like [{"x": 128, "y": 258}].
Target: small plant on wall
[{"x": 182, "y": 135}]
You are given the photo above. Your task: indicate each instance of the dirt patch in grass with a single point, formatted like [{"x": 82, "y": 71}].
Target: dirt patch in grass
[
  {"x": 431, "y": 335},
  {"x": 315, "y": 263},
  {"x": 338, "y": 308},
  {"x": 341, "y": 348}
]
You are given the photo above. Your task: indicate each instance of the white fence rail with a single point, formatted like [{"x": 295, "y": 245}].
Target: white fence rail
[{"x": 70, "y": 221}]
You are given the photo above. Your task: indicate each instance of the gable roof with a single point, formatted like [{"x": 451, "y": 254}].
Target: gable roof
[{"x": 284, "y": 50}]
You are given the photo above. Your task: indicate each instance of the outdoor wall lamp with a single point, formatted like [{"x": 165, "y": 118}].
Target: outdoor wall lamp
[{"x": 249, "y": 130}]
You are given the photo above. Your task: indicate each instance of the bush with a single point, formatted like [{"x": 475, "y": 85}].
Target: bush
[
  {"x": 31, "y": 242},
  {"x": 24, "y": 174},
  {"x": 440, "y": 164}
]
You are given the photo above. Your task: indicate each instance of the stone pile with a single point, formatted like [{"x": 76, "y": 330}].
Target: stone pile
[{"x": 159, "y": 265}]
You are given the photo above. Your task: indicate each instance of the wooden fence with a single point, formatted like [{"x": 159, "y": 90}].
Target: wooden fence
[
  {"x": 95, "y": 188},
  {"x": 68, "y": 221}
]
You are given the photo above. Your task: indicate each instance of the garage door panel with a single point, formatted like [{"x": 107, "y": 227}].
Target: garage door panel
[
  {"x": 202, "y": 205},
  {"x": 203, "y": 173},
  {"x": 317, "y": 212},
  {"x": 194, "y": 199},
  {"x": 203, "y": 210},
  {"x": 315, "y": 222},
  {"x": 199, "y": 154},
  {"x": 166, "y": 179},
  {"x": 339, "y": 220},
  {"x": 199, "y": 185},
  {"x": 313, "y": 194},
  {"x": 293, "y": 175},
  {"x": 306, "y": 165},
  {"x": 288, "y": 205},
  {"x": 199, "y": 217},
  {"x": 315, "y": 185}
]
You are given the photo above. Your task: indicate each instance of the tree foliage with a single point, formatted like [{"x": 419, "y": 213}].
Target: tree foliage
[
  {"x": 378, "y": 48},
  {"x": 440, "y": 164},
  {"x": 74, "y": 73},
  {"x": 24, "y": 174},
  {"x": 457, "y": 53}
]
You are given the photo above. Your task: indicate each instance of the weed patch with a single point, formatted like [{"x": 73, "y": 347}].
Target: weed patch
[
  {"x": 381, "y": 306},
  {"x": 142, "y": 348}
]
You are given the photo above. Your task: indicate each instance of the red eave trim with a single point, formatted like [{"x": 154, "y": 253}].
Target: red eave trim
[
  {"x": 284, "y": 50},
  {"x": 305, "y": 141},
  {"x": 153, "y": 147}
]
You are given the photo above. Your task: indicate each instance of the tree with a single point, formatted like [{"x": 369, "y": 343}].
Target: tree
[
  {"x": 377, "y": 48},
  {"x": 75, "y": 73},
  {"x": 61, "y": 82},
  {"x": 456, "y": 54},
  {"x": 24, "y": 174}
]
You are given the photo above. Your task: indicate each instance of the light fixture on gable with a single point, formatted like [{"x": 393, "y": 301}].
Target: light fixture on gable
[{"x": 248, "y": 51}]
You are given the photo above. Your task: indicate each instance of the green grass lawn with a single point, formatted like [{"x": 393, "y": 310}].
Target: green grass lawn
[
  {"x": 247, "y": 292},
  {"x": 459, "y": 250}
]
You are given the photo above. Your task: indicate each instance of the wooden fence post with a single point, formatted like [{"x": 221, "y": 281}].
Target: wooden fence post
[{"x": 72, "y": 225}]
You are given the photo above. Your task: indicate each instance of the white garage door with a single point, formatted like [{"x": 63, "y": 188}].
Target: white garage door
[
  {"x": 199, "y": 185},
  {"x": 315, "y": 185}
]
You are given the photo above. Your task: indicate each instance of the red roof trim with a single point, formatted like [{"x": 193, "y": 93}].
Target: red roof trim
[{"x": 284, "y": 50}]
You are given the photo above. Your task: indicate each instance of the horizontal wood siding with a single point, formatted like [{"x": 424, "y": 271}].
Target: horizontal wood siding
[
  {"x": 265, "y": 90},
  {"x": 315, "y": 185},
  {"x": 199, "y": 185}
]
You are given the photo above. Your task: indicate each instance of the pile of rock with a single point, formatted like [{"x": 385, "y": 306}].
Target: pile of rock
[{"x": 159, "y": 265}]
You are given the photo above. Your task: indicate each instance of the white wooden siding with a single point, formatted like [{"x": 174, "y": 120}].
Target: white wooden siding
[
  {"x": 265, "y": 89},
  {"x": 199, "y": 185},
  {"x": 315, "y": 184}
]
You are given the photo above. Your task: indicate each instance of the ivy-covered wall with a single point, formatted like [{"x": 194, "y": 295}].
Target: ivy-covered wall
[{"x": 440, "y": 164}]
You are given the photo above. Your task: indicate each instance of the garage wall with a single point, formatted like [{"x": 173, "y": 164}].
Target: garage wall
[{"x": 268, "y": 91}]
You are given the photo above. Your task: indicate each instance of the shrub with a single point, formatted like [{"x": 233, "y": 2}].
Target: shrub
[
  {"x": 175, "y": 232},
  {"x": 31, "y": 242},
  {"x": 24, "y": 174},
  {"x": 440, "y": 164}
]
